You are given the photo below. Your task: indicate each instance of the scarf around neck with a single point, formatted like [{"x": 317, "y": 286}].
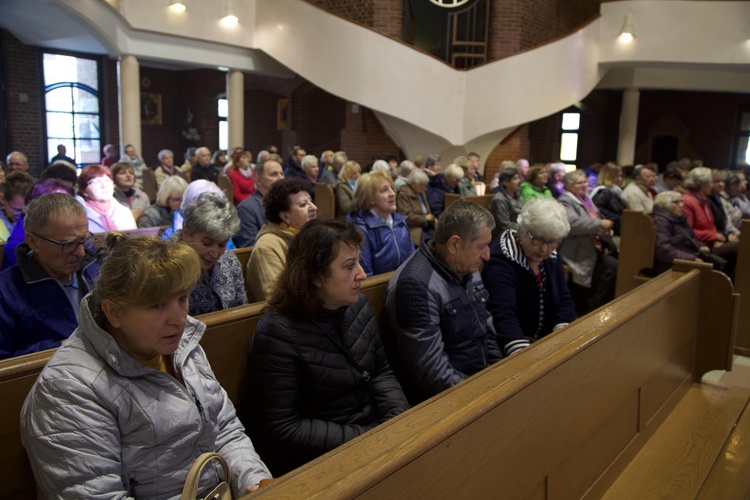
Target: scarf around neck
[{"x": 103, "y": 208}]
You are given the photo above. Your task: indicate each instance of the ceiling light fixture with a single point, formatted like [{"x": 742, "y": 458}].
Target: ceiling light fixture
[
  {"x": 229, "y": 15},
  {"x": 627, "y": 32},
  {"x": 177, "y": 6}
]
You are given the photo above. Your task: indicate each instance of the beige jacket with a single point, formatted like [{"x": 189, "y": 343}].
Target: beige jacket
[{"x": 267, "y": 260}]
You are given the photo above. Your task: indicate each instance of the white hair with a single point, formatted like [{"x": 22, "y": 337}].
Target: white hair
[{"x": 544, "y": 217}]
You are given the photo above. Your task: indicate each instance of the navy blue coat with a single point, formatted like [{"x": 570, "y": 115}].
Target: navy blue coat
[
  {"x": 384, "y": 248},
  {"x": 519, "y": 311},
  {"x": 436, "y": 193}
]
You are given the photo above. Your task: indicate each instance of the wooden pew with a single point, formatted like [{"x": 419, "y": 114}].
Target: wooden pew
[
  {"x": 17, "y": 375},
  {"x": 149, "y": 184},
  {"x": 225, "y": 342},
  {"x": 483, "y": 200},
  {"x": 225, "y": 183},
  {"x": 325, "y": 200},
  {"x": 742, "y": 286},
  {"x": 566, "y": 416},
  {"x": 637, "y": 246}
]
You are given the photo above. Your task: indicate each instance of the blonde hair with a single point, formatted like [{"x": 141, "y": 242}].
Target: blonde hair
[
  {"x": 173, "y": 187},
  {"x": 367, "y": 184},
  {"x": 162, "y": 270},
  {"x": 608, "y": 174},
  {"x": 350, "y": 167}
]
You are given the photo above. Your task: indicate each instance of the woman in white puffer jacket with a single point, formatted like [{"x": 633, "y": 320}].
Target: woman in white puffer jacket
[{"x": 128, "y": 403}]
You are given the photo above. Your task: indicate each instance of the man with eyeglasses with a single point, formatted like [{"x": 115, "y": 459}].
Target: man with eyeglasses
[{"x": 55, "y": 269}]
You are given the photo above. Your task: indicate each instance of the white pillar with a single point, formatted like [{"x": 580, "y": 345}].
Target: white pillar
[
  {"x": 236, "y": 104},
  {"x": 130, "y": 102},
  {"x": 628, "y": 126}
]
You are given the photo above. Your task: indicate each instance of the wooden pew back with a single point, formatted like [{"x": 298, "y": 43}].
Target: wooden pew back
[
  {"x": 325, "y": 200},
  {"x": 637, "y": 245},
  {"x": 561, "y": 418},
  {"x": 225, "y": 183},
  {"x": 149, "y": 184},
  {"x": 742, "y": 286},
  {"x": 483, "y": 201}
]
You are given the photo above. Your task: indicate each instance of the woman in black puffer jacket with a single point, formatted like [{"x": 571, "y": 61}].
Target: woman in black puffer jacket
[{"x": 317, "y": 371}]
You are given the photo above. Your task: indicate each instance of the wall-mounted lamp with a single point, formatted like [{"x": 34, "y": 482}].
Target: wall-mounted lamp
[
  {"x": 176, "y": 6},
  {"x": 627, "y": 32},
  {"x": 229, "y": 15}
]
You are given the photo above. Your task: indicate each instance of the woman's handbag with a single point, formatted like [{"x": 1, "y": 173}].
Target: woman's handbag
[{"x": 221, "y": 492}]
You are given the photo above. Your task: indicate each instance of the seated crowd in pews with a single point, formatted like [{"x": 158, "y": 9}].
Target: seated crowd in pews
[{"x": 479, "y": 286}]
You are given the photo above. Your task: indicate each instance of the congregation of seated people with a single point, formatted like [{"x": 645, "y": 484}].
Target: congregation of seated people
[{"x": 469, "y": 287}]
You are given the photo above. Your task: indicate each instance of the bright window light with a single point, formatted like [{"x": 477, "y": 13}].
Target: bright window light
[
  {"x": 568, "y": 146},
  {"x": 571, "y": 121},
  {"x": 223, "y": 135},
  {"x": 223, "y": 108}
]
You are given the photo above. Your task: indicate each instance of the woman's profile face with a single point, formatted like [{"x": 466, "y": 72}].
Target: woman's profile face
[
  {"x": 207, "y": 248},
  {"x": 125, "y": 179},
  {"x": 384, "y": 200},
  {"x": 100, "y": 188},
  {"x": 174, "y": 202},
  {"x": 419, "y": 188},
  {"x": 150, "y": 330},
  {"x": 342, "y": 286},
  {"x": 537, "y": 248},
  {"x": 130, "y": 151},
  {"x": 301, "y": 210}
]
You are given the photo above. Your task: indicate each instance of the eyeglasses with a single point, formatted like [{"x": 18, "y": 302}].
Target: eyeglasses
[
  {"x": 538, "y": 242},
  {"x": 100, "y": 181},
  {"x": 70, "y": 246}
]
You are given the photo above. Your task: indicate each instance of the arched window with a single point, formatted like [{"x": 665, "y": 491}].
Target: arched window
[{"x": 72, "y": 107}]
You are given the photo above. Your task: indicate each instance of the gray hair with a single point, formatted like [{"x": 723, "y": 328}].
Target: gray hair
[
  {"x": 431, "y": 160},
  {"x": 732, "y": 180},
  {"x": 381, "y": 165},
  {"x": 172, "y": 187},
  {"x": 163, "y": 153},
  {"x": 522, "y": 161},
  {"x": 665, "y": 198},
  {"x": 507, "y": 174},
  {"x": 464, "y": 219},
  {"x": 544, "y": 217},
  {"x": 405, "y": 168},
  {"x": 418, "y": 178},
  {"x": 212, "y": 214},
  {"x": 572, "y": 176},
  {"x": 556, "y": 167},
  {"x": 698, "y": 176},
  {"x": 309, "y": 161},
  {"x": 198, "y": 187},
  {"x": 42, "y": 209},
  {"x": 202, "y": 148},
  {"x": 339, "y": 157},
  {"x": 262, "y": 156},
  {"x": 7, "y": 158},
  {"x": 454, "y": 171}
]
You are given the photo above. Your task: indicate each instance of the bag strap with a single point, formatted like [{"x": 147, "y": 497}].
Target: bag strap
[{"x": 190, "y": 490}]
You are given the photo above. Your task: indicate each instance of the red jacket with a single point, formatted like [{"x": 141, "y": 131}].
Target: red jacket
[
  {"x": 242, "y": 187},
  {"x": 700, "y": 217}
]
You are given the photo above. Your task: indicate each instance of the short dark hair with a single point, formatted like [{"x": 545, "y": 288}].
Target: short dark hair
[
  {"x": 309, "y": 261},
  {"x": 60, "y": 171},
  {"x": 276, "y": 199},
  {"x": 464, "y": 219},
  {"x": 17, "y": 183}
]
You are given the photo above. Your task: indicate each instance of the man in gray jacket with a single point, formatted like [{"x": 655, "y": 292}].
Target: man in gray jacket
[{"x": 436, "y": 306}]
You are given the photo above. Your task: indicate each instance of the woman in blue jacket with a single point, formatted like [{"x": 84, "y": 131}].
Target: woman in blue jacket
[
  {"x": 387, "y": 241},
  {"x": 529, "y": 297}
]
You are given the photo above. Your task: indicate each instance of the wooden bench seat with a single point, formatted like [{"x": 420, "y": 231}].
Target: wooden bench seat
[
  {"x": 679, "y": 457},
  {"x": 563, "y": 418}
]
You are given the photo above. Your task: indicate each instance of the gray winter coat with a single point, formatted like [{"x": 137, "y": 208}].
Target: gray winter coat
[
  {"x": 578, "y": 250},
  {"x": 98, "y": 424}
]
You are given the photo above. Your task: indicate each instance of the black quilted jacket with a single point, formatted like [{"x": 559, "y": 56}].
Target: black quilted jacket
[{"x": 305, "y": 397}]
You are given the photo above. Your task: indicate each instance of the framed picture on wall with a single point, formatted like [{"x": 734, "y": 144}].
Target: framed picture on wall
[{"x": 150, "y": 109}]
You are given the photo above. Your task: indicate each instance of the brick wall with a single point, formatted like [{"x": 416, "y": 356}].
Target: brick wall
[
  {"x": 24, "y": 94},
  {"x": 364, "y": 138},
  {"x": 513, "y": 147}
]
